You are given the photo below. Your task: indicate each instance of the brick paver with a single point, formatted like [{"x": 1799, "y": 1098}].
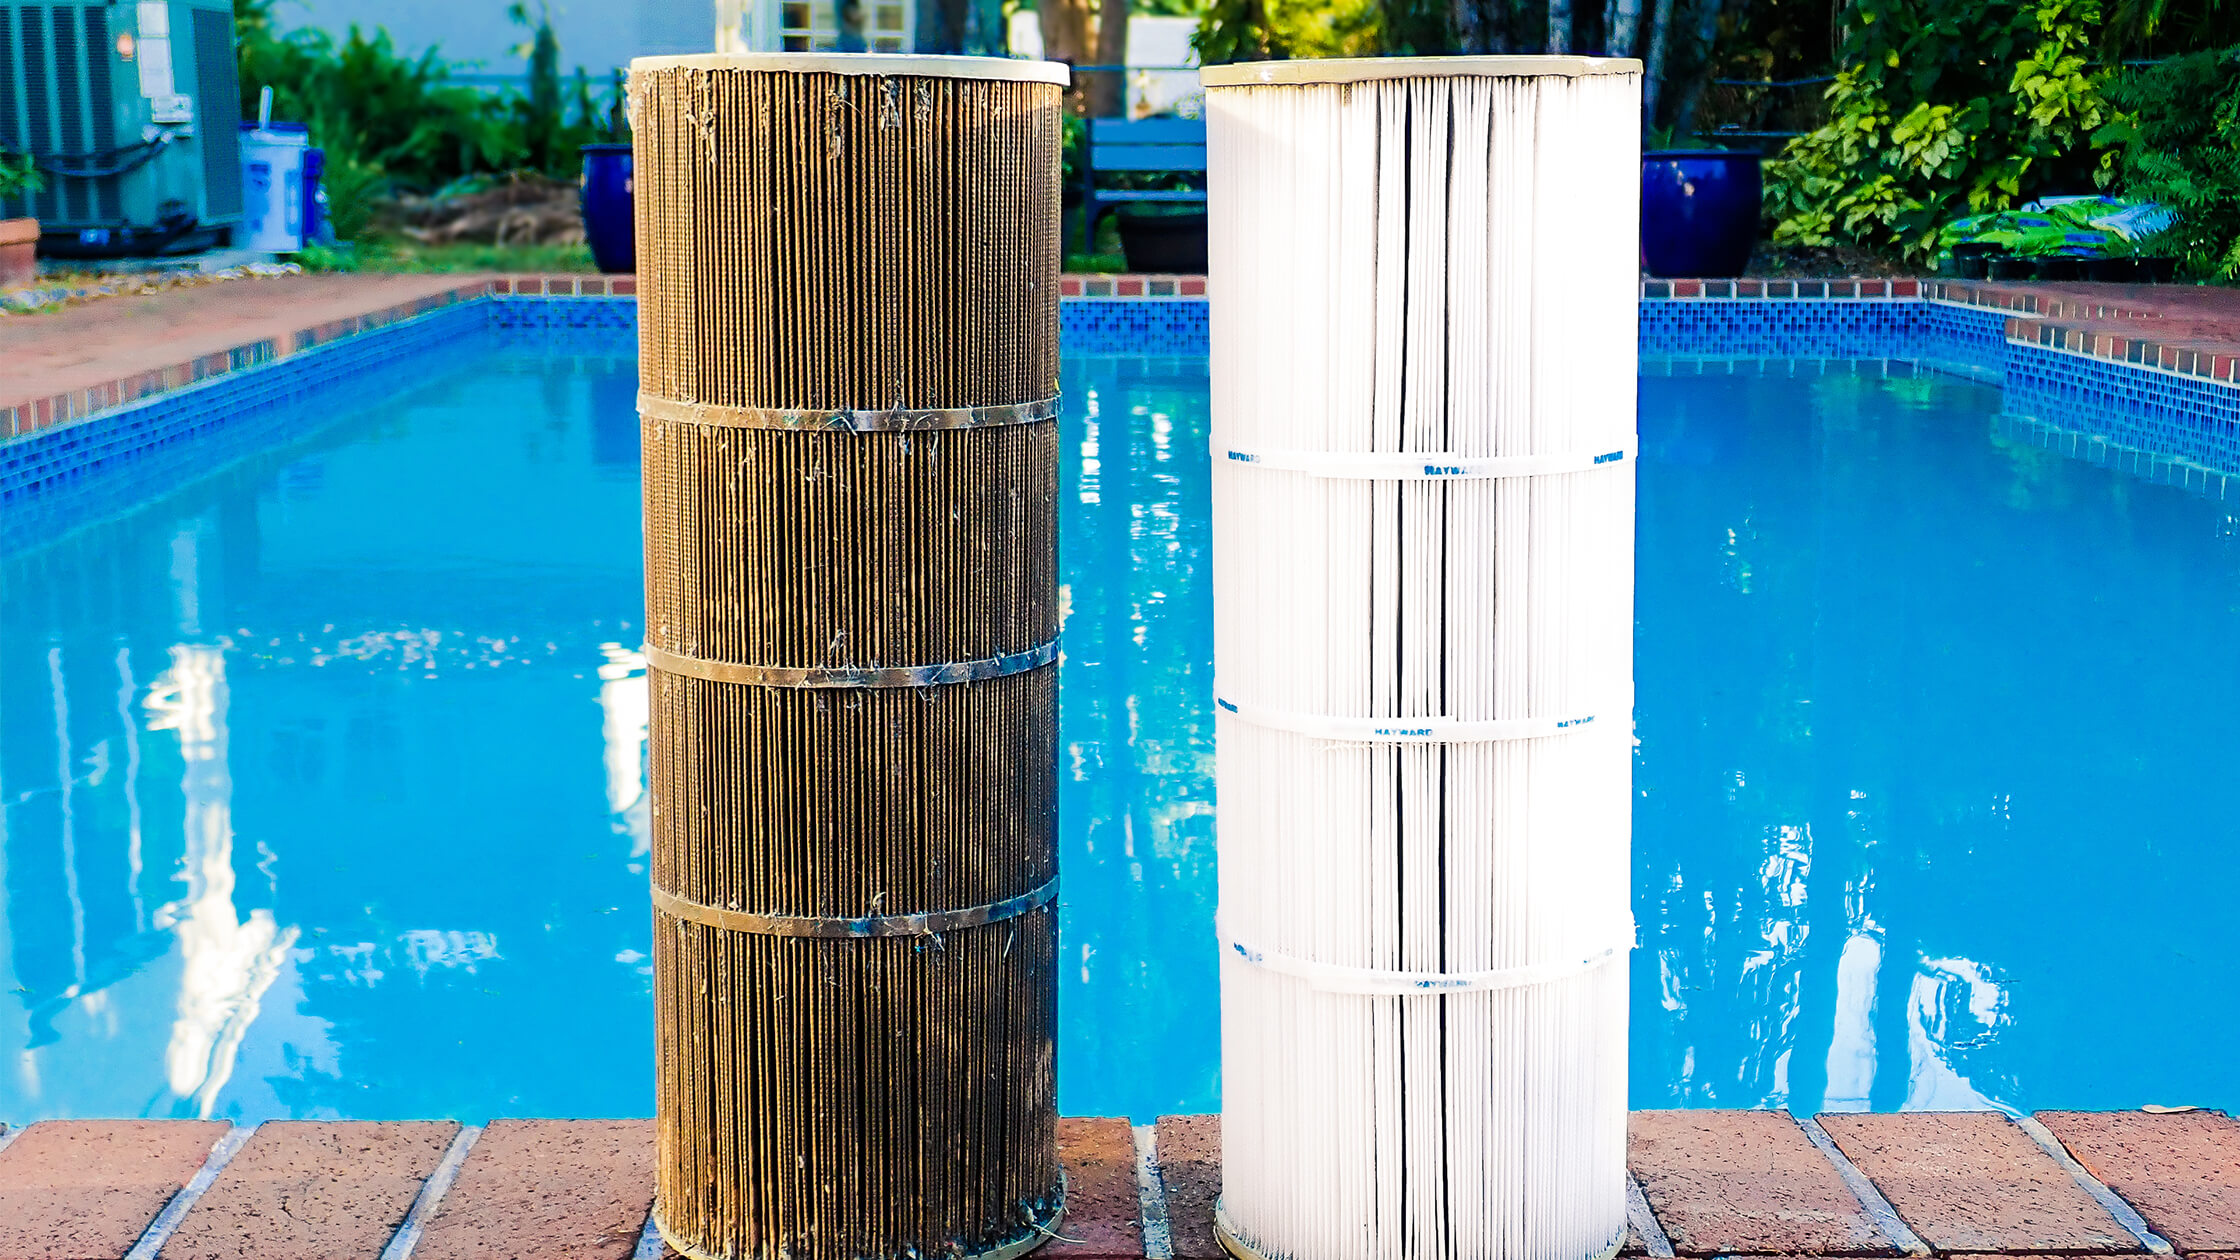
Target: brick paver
[
  {"x": 1104, "y": 1217},
  {"x": 302, "y": 1189},
  {"x": 2180, "y": 1170},
  {"x": 1745, "y": 1181},
  {"x": 1972, "y": 1181},
  {"x": 1190, "y": 1168},
  {"x": 86, "y": 1189},
  {"x": 547, "y": 1190}
]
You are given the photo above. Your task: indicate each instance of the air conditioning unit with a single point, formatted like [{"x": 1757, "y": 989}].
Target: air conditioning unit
[{"x": 132, "y": 114}]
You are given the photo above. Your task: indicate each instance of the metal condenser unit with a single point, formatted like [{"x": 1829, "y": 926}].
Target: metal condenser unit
[{"x": 132, "y": 114}]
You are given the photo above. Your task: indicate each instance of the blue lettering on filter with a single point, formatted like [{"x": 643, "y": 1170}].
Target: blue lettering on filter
[
  {"x": 1404, "y": 732},
  {"x": 1443, "y": 470},
  {"x": 1244, "y": 457},
  {"x": 1225, "y": 704},
  {"x": 1611, "y": 458},
  {"x": 1570, "y": 722}
]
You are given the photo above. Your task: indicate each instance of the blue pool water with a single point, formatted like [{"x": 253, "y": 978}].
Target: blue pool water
[{"x": 323, "y": 774}]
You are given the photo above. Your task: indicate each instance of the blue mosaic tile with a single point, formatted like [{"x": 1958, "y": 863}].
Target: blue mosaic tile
[
  {"x": 96, "y": 468},
  {"x": 72, "y": 475},
  {"x": 2143, "y": 409},
  {"x": 1157, "y": 326}
]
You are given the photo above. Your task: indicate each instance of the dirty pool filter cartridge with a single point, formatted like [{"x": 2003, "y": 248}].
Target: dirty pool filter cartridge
[
  {"x": 848, "y": 340},
  {"x": 1423, "y": 342}
]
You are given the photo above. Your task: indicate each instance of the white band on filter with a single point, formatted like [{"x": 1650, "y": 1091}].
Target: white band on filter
[
  {"x": 1423, "y": 465},
  {"x": 1406, "y": 730},
  {"x": 1375, "y": 982}
]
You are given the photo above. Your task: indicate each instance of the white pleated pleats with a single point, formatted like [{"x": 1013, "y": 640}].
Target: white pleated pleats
[{"x": 1424, "y": 665}]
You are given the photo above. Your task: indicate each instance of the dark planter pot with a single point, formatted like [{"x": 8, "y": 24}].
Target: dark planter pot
[
  {"x": 2111, "y": 270},
  {"x": 1169, "y": 244},
  {"x": 609, "y": 222},
  {"x": 2013, "y": 267},
  {"x": 2157, "y": 270},
  {"x": 1699, "y": 212},
  {"x": 2060, "y": 267}
]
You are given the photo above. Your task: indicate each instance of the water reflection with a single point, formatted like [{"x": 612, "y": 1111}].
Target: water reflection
[
  {"x": 342, "y": 849},
  {"x": 1919, "y": 710},
  {"x": 1138, "y": 1030},
  {"x": 323, "y": 790}
]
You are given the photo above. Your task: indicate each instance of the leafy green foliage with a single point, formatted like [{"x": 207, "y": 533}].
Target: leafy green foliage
[
  {"x": 19, "y": 176},
  {"x": 1944, "y": 108},
  {"x": 391, "y": 122},
  {"x": 2179, "y": 135},
  {"x": 1257, "y": 30}
]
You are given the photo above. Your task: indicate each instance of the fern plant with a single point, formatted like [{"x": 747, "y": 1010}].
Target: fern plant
[{"x": 2179, "y": 135}]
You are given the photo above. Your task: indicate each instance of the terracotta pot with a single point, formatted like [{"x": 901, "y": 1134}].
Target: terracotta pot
[{"x": 19, "y": 241}]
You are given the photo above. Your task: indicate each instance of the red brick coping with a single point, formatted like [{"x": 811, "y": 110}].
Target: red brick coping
[
  {"x": 1704, "y": 1184},
  {"x": 2194, "y": 332}
]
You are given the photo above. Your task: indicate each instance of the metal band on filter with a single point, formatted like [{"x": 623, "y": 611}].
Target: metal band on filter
[
  {"x": 924, "y": 923},
  {"x": 1377, "y": 982},
  {"x": 979, "y": 670},
  {"x": 1422, "y": 465},
  {"x": 1406, "y": 730},
  {"x": 807, "y": 420}
]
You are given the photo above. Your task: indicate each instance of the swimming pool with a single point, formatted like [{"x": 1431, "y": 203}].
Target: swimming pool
[{"x": 324, "y": 789}]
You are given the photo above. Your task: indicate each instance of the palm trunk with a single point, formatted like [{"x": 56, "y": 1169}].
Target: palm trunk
[
  {"x": 1107, "y": 89},
  {"x": 1559, "y": 26},
  {"x": 1625, "y": 28},
  {"x": 1652, "y": 78},
  {"x": 1469, "y": 26}
]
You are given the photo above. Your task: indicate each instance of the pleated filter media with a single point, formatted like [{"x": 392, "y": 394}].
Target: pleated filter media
[
  {"x": 848, "y": 313},
  {"x": 1423, "y": 344}
]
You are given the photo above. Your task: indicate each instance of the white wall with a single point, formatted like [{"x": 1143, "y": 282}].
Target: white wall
[{"x": 598, "y": 35}]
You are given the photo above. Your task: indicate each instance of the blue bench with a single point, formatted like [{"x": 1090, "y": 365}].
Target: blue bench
[{"x": 1174, "y": 145}]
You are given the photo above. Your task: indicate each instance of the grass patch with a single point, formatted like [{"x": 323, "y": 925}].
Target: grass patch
[{"x": 399, "y": 254}]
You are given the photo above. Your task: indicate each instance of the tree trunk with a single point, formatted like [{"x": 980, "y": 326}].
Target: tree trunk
[
  {"x": 1469, "y": 26},
  {"x": 1065, "y": 30},
  {"x": 1625, "y": 28},
  {"x": 1107, "y": 90},
  {"x": 1652, "y": 77},
  {"x": 1559, "y": 26},
  {"x": 1691, "y": 93}
]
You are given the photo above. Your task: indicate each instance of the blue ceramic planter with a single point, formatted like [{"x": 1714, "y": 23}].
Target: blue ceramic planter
[
  {"x": 609, "y": 223},
  {"x": 1699, "y": 211}
]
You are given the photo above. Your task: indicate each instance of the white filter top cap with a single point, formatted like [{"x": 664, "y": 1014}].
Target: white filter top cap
[
  {"x": 895, "y": 65},
  {"x": 1365, "y": 69}
]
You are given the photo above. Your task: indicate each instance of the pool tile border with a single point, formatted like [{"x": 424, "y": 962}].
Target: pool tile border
[
  {"x": 37, "y": 414},
  {"x": 2129, "y": 390},
  {"x": 2047, "y": 320}
]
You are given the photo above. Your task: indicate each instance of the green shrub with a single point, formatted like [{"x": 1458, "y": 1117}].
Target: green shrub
[
  {"x": 19, "y": 175},
  {"x": 2179, "y": 134},
  {"x": 1944, "y": 108},
  {"x": 391, "y": 122}
]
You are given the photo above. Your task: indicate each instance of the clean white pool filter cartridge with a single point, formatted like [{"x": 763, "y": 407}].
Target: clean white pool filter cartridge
[{"x": 1424, "y": 309}]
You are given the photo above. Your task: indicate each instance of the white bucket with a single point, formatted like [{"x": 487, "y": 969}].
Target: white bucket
[{"x": 272, "y": 189}]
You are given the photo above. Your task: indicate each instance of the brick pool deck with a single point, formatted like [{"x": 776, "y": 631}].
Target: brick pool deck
[{"x": 1704, "y": 1184}]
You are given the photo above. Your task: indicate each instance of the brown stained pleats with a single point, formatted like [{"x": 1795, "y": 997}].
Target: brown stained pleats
[{"x": 833, "y": 241}]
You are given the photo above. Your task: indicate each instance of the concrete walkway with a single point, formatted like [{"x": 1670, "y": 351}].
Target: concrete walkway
[
  {"x": 55, "y": 352},
  {"x": 1704, "y": 1184}
]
